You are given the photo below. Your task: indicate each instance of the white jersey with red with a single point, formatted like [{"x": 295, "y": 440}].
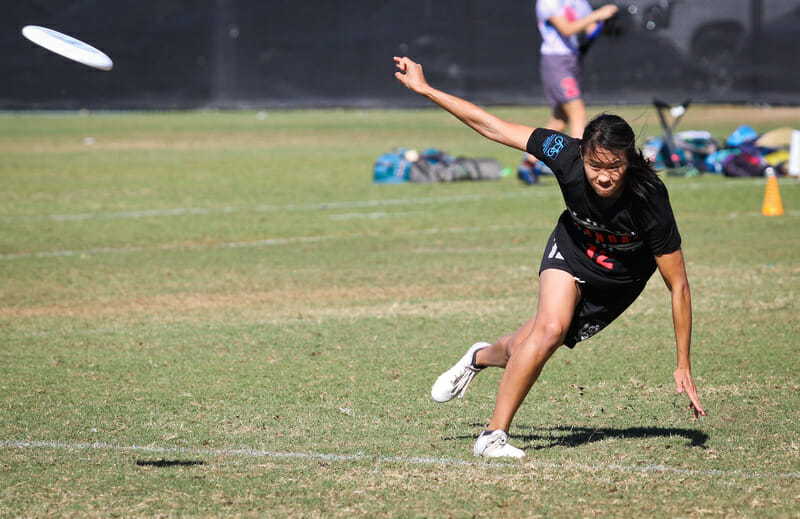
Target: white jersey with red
[{"x": 553, "y": 43}]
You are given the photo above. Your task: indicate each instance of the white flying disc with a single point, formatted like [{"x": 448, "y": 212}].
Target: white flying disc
[{"x": 67, "y": 46}]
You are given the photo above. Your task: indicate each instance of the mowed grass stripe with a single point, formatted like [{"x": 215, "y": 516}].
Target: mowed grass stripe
[
  {"x": 257, "y": 243},
  {"x": 319, "y": 206},
  {"x": 342, "y": 204},
  {"x": 289, "y": 240}
]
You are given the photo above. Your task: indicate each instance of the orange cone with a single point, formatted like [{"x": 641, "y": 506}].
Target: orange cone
[{"x": 772, "y": 196}]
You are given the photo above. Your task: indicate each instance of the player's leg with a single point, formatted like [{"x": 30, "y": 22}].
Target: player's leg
[
  {"x": 531, "y": 347},
  {"x": 562, "y": 86},
  {"x": 558, "y": 119},
  {"x": 455, "y": 381},
  {"x": 575, "y": 114},
  {"x": 496, "y": 355},
  {"x": 557, "y": 74},
  {"x": 527, "y": 350}
]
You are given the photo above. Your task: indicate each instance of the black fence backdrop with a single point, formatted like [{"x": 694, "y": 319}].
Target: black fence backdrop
[{"x": 325, "y": 53}]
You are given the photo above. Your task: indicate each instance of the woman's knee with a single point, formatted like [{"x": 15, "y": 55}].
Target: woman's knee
[
  {"x": 552, "y": 332},
  {"x": 548, "y": 335},
  {"x": 545, "y": 338}
]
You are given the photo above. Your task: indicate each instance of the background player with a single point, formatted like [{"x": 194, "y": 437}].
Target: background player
[{"x": 567, "y": 28}]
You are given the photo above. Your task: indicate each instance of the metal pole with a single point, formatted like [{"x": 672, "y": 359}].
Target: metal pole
[{"x": 757, "y": 20}]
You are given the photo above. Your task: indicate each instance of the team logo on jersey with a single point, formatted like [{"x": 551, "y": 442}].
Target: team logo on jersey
[
  {"x": 609, "y": 239},
  {"x": 553, "y": 145}
]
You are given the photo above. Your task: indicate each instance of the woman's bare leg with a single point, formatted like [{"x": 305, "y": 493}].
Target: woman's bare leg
[{"x": 525, "y": 352}]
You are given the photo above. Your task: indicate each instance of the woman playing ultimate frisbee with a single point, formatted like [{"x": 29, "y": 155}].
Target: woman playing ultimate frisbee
[{"x": 618, "y": 227}]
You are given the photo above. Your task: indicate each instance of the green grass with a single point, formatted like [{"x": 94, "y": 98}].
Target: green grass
[{"x": 220, "y": 314}]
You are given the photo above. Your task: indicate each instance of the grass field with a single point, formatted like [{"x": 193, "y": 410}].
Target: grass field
[{"x": 219, "y": 314}]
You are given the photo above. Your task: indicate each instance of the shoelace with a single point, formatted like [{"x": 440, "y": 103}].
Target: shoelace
[{"x": 461, "y": 381}]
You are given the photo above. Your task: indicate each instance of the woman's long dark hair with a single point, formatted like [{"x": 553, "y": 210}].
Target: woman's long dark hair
[{"x": 613, "y": 133}]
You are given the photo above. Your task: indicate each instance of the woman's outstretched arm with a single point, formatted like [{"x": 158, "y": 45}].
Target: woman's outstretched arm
[{"x": 511, "y": 134}]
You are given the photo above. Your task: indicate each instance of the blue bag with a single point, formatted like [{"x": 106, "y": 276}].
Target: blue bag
[
  {"x": 741, "y": 135},
  {"x": 391, "y": 168}
]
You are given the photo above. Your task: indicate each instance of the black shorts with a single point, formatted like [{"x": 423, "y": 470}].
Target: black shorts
[{"x": 598, "y": 307}]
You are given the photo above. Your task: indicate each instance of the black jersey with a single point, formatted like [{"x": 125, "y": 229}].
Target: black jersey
[{"x": 606, "y": 247}]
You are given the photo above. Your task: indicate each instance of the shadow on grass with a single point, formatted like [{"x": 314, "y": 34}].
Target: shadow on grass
[
  {"x": 168, "y": 463},
  {"x": 575, "y": 436},
  {"x": 563, "y": 436}
]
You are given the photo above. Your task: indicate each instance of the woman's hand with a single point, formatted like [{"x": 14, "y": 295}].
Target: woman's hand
[
  {"x": 685, "y": 384},
  {"x": 410, "y": 74},
  {"x": 514, "y": 135}
]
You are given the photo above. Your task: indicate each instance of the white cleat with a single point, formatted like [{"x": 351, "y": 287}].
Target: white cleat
[
  {"x": 494, "y": 444},
  {"x": 454, "y": 382}
]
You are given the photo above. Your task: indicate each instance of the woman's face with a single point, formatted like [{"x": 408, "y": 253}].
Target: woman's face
[{"x": 605, "y": 172}]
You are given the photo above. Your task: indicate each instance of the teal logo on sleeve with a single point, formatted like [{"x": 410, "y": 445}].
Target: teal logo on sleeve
[{"x": 553, "y": 145}]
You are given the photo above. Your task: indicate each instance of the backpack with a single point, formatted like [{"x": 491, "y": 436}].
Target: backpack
[
  {"x": 392, "y": 167},
  {"x": 432, "y": 165},
  {"x": 741, "y": 135},
  {"x": 437, "y": 166},
  {"x": 743, "y": 164}
]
